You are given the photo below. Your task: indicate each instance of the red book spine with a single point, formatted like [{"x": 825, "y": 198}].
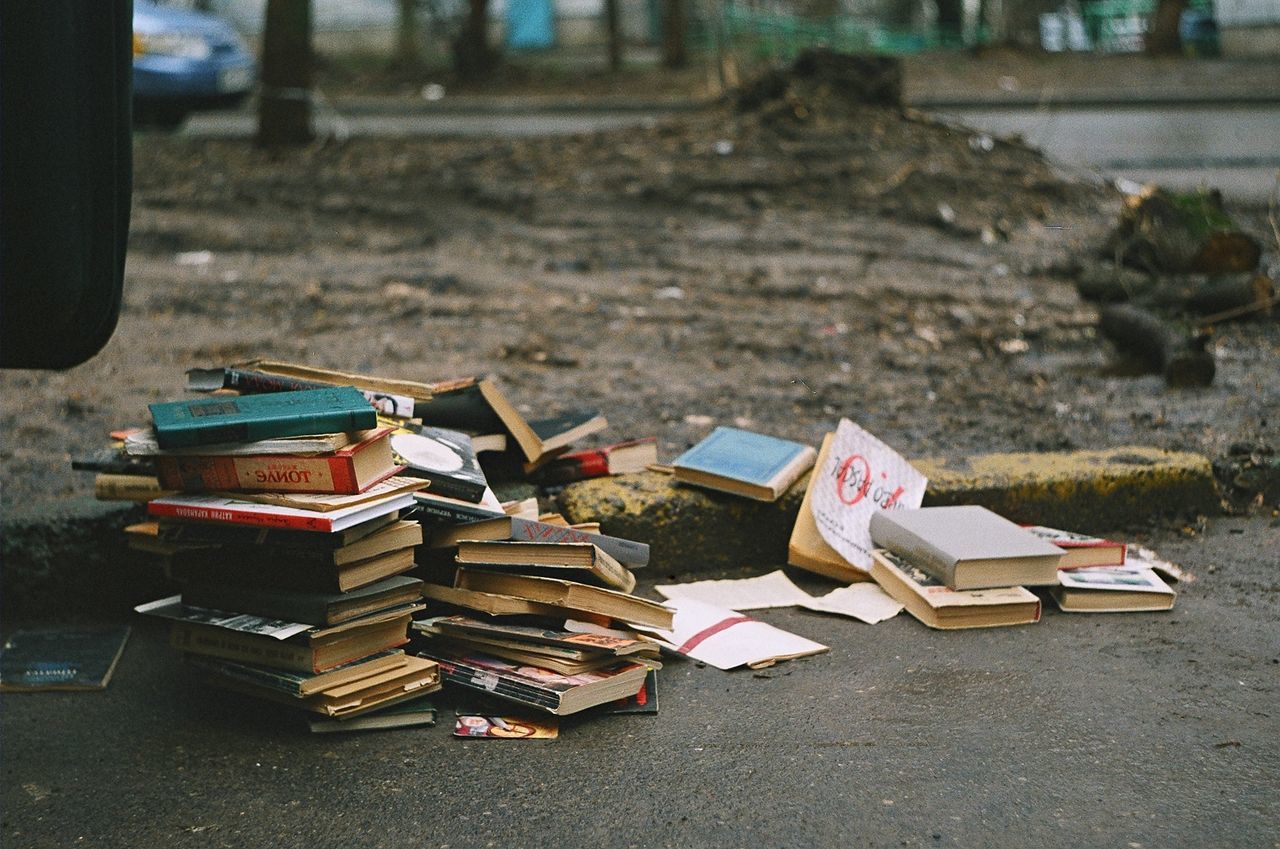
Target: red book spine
[
  {"x": 328, "y": 475},
  {"x": 232, "y": 516}
]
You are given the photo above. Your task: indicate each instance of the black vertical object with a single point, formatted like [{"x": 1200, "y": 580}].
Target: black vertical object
[{"x": 66, "y": 177}]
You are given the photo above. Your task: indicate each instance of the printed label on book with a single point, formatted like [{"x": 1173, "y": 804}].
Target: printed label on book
[{"x": 861, "y": 475}]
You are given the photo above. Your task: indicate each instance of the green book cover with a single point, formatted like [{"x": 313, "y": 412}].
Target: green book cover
[{"x": 209, "y": 421}]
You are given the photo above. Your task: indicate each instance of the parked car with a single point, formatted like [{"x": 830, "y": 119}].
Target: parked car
[{"x": 185, "y": 61}]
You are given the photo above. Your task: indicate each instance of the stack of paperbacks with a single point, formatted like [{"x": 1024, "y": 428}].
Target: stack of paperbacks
[
  {"x": 544, "y": 614},
  {"x": 287, "y": 537},
  {"x": 968, "y": 567}
]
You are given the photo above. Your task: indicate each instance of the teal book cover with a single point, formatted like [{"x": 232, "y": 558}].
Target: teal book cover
[
  {"x": 742, "y": 455},
  {"x": 244, "y": 418}
]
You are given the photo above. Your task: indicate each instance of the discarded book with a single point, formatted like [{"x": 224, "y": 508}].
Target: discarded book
[
  {"x": 1081, "y": 550},
  {"x": 936, "y": 605},
  {"x": 744, "y": 463},
  {"x": 578, "y": 561},
  {"x": 1112, "y": 589},
  {"x": 209, "y": 421},
  {"x": 56, "y": 659}
]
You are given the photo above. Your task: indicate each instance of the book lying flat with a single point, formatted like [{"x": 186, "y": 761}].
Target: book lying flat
[
  {"x": 726, "y": 639},
  {"x": 444, "y": 458},
  {"x": 199, "y": 534},
  {"x": 210, "y": 421},
  {"x": 417, "y": 711},
  {"x": 537, "y": 635},
  {"x": 938, "y": 606},
  {"x": 567, "y": 594},
  {"x": 627, "y": 552},
  {"x": 217, "y": 566},
  {"x": 1112, "y": 589},
  {"x": 528, "y": 655},
  {"x": 535, "y": 687},
  {"x": 142, "y": 444},
  {"x": 313, "y": 608},
  {"x": 633, "y": 455},
  {"x": 967, "y": 547},
  {"x": 300, "y": 685},
  {"x": 575, "y": 561},
  {"x": 745, "y": 463},
  {"x": 496, "y": 604},
  {"x": 60, "y": 659},
  {"x": 345, "y": 471},
  {"x": 330, "y": 502},
  {"x": 237, "y": 511},
  {"x": 1081, "y": 550}
]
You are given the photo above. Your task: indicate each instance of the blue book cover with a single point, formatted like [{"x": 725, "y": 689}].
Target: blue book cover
[
  {"x": 244, "y": 418},
  {"x": 744, "y": 462}
]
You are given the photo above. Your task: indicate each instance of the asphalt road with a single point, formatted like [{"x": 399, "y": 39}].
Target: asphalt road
[{"x": 1121, "y": 730}]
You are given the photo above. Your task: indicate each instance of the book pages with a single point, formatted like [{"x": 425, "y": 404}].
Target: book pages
[{"x": 861, "y": 475}]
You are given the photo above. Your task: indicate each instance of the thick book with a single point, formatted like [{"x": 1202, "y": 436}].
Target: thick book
[
  {"x": 568, "y": 594},
  {"x": 142, "y": 445},
  {"x": 298, "y": 685},
  {"x": 633, "y": 455},
  {"x": 416, "y": 677},
  {"x": 281, "y": 550},
  {"x": 1081, "y": 550},
  {"x": 346, "y": 471},
  {"x": 938, "y": 606},
  {"x": 236, "y": 511},
  {"x": 1112, "y": 589},
  {"x": 108, "y": 486},
  {"x": 410, "y": 713},
  {"x": 60, "y": 659},
  {"x": 496, "y": 604},
  {"x": 209, "y": 421},
  {"x": 214, "y": 566},
  {"x": 529, "y": 655},
  {"x": 627, "y": 552},
  {"x": 536, "y": 635},
  {"x": 444, "y": 458},
  {"x": 742, "y": 462},
  {"x": 535, "y": 687},
  {"x": 311, "y": 651},
  {"x": 806, "y": 547},
  {"x": 328, "y": 502},
  {"x": 328, "y": 608},
  {"x": 575, "y": 561},
  {"x": 441, "y": 509},
  {"x": 200, "y": 534},
  {"x": 967, "y": 547}
]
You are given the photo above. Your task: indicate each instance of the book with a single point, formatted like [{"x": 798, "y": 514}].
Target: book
[
  {"x": 535, "y": 634},
  {"x": 298, "y": 685},
  {"x": 142, "y": 445},
  {"x": 568, "y": 594},
  {"x": 210, "y": 565},
  {"x": 325, "y": 608},
  {"x": 633, "y": 455},
  {"x": 108, "y": 486},
  {"x": 195, "y": 507},
  {"x": 1081, "y": 550},
  {"x": 967, "y": 547},
  {"x": 346, "y": 471},
  {"x": 200, "y": 534},
  {"x": 744, "y": 463},
  {"x": 444, "y": 458},
  {"x": 727, "y": 639},
  {"x": 282, "y": 550},
  {"x": 496, "y": 604},
  {"x": 529, "y": 655},
  {"x": 1112, "y": 589},
  {"x": 441, "y": 508},
  {"x": 209, "y": 421},
  {"x": 806, "y": 547},
  {"x": 576, "y": 561},
  {"x": 473, "y": 726},
  {"x": 627, "y": 552},
  {"x": 328, "y": 502},
  {"x": 311, "y": 651},
  {"x": 536, "y": 687},
  {"x": 114, "y": 461},
  {"x": 414, "y": 678},
  {"x": 547, "y": 436},
  {"x": 938, "y": 606},
  {"x": 57, "y": 659},
  {"x": 418, "y": 711}
]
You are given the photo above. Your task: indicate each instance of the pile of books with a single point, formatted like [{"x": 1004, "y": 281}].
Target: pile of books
[
  {"x": 286, "y": 535},
  {"x": 968, "y": 567}
]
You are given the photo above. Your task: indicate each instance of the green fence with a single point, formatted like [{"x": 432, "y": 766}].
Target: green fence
[{"x": 782, "y": 36}]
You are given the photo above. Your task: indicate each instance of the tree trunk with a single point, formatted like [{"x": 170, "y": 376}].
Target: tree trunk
[
  {"x": 471, "y": 56},
  {"x": 613, "y": 29},
  {"x": 675, "y": 53},
  {"x": 284, "y": 106},
  {"x": 1162, "y": 34},
  {"x": 408, "y": 54}
]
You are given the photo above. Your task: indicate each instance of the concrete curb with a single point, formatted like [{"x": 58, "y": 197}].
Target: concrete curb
[{"x": 690, "y": 529}]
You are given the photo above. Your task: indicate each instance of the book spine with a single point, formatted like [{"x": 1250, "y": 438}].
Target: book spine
[
  {"x": 486, "y": 681},
  {"x": 116, "y": 487},
  {"x": 251, "y": 518},
  {"x": 575, "y": 467},
  {"x": 625, "y": 551},
  {"x": 249, "y": 648},
  {"x": 248, "y": 381},
  {"x": 253, "y": 675},
  {"x": 925, "y": 557},
  {"x": 271, "y": 605},
  {"x": 446, "y": 486},
  {"x": 260, "y": 473}
]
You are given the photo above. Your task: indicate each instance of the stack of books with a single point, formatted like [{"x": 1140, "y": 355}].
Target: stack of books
[
  {"x": 556, "y": 631},
  {"x": 287, "y": 537}
]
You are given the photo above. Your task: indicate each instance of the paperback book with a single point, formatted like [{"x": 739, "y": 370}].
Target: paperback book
[
  {"x": 744, "y": 463},
  {"x": 938, "y": 606},
  {"x": 209, "y": 421}
]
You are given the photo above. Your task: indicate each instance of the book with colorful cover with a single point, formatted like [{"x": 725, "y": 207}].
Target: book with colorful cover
[
  {"x": 207, "y": 421},
  {"x": 445, "y": 458},
  {"x": 630, "y": 553},
  {"x": 235, "y": 511},
  {"x": 742, "y": 462}
]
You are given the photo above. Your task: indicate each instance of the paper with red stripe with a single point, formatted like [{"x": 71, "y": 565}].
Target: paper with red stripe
[{"x": 727, "y": 639}]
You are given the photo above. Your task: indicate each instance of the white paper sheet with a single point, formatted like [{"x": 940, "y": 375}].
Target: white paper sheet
[
  {"x": 727, "y": 639},
  {"x": 865, "y": 602},
  {"x": 861, "y": 475}
]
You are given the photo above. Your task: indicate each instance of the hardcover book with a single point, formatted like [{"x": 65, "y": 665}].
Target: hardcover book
[
  {"x": 967, "y": 547},
  {"x": 539, "y": 688},
  {"x": 142, "y": 444},
  {"x": 55, "y": 659},
  {"x": 209, "y": 566},
  {"x": 634, "y": 455},
  {"x": 1081, "y": 550},
  {"x": 346, "y": 471},
  {"x": 806, "y": 548},
  {"x": 199, "y": 534},
  {"x": 938, "y": 606},
  {"x": 744, "y": 463},
  {"x": 444, "y": 458},
  {"x": 235, "y": 511},
  {"x": 568, "y": 594},
  {"x": 298, "y": 685},
  {"x": 1112, "y": 589},
  {"x": 329, "y": 608},
  {"x": 627, "y": 552},
  {"x": 406, "y": 714},
  {"x": 207, "y": 421},
  {"x": 571, "y": 560}
]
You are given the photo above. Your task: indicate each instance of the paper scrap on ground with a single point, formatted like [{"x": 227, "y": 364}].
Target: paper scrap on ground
[
  {"x": 505, "y": 728},
  {"x": 866, "y": 602},
  {"x": 727, "y": 639},
  {"x": 1146, "y": 557},
  {"x": 861, "y": 475}
]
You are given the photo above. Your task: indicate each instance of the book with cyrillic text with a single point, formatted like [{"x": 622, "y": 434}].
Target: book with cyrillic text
[{"x": 209, "y": 421}]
